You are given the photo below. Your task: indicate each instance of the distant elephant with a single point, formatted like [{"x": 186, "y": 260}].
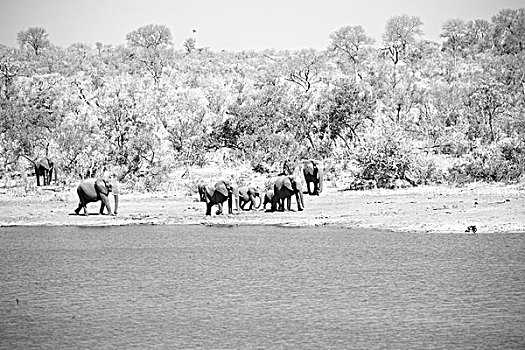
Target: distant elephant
[
  {"x": 43, "y": 167},
  {"x": 93, "y": 190},
  {"x": 283, "y": 188},
  {"x": 248, "y": 195},
  {"x": 267, "y": 198},
  {"x": 313, "y": 173},
  {"x": 218, "y": 194}
]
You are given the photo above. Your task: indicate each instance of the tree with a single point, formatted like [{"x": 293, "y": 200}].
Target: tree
[
  {"x": 400, "y": 33},
  {"x": 477, "y": 36},
  {"x": 35, "y": 37},
  {"x": 9, "y": 70},
  {"x": 351, "y": 41},
  {"x": 190, "y": 45},
  {"x": 150, "y": 49},
  {"x": 151, "y": 36},
  {"x": 454, "y": 32},
  {"x": 509, "y": 30},
  {"x": 344, "y": 110},
  {"x": 304, "y": 68}
]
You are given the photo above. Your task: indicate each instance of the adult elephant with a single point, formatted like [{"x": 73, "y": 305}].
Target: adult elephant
[
  {"x": 283, "y": 189},
  {"x": 93, "y": 190},
  {"x": 218, "y": 194},
  {"x": 44, "y": 167},
  {"x": 247, "y": 195},
  {"x": 313, "y": 174}
]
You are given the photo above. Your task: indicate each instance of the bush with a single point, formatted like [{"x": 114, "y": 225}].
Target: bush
[
  {"x": 384, "y": 158},
  {"x": 502, "y": 161}
]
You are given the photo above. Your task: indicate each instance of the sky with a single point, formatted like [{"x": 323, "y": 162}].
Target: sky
[{"x": 232, "y": 25}]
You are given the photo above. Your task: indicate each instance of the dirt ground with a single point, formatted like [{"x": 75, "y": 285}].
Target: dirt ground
[{"x": 492, "y": 208}]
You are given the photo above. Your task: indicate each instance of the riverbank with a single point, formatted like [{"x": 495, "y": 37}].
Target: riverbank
[{"x": 489, "y": 207}]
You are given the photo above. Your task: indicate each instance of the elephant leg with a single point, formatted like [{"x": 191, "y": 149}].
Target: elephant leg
[
  {"x": 242, "y": 203},
  {"x": 82, "y": 203},
  {"x": 289, "y": 203},
  {"x": 37, "y": 178},
  {"x": 219, "y": 211},
  {"x": 208, "y": 208},
  {"x": 310, "y": 192},
  {"x": 80, "y": 207},
  {"x": 253, "y": 204},
  {"x": 300, "y": 200},
  {"x": 316, "y": 188}
]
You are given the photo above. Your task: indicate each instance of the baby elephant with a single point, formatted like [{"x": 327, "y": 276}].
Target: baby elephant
[
  {"x": 93, "y": 190},
  {"x": 247, "y": 195},
  {"x": 267, "y": 198}
]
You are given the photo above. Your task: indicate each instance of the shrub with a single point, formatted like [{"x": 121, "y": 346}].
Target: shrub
[
  {"x": 384, "y": 158},
  {"x": 502, "y": 161}
]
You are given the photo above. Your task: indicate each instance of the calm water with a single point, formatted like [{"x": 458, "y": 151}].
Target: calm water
[{"x": 259, "y": 287}]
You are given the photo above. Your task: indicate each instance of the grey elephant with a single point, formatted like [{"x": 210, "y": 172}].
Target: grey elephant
[
  {"x": 93, "y": 190},
  {"x": 247, "y": 195},
  {"x": 217, "y": 195},
  {"x": 283, "y": 189},
  {"x": 268, "y": 196},
  {"x": 313, "y": 174},
  {"x": 44, "y": 167}
]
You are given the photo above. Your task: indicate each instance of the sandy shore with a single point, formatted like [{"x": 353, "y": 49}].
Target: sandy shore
[{"x": 492, "y": 208}]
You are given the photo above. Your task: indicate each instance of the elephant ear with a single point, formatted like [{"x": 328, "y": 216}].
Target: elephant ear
[
  {"x": 309, "y": 167},
  {"x": 222, "y": 188},
  {"x": 45, "y": 163},
  {"x": 289, "y": 183}
]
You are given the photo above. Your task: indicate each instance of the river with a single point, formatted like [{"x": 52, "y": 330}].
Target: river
[{"x": 254, "y": 287}]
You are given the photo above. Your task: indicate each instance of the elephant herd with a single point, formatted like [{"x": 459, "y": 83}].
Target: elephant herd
[
  {"x": 246, "y": 198},
  {"x": 285, "y": 187}
]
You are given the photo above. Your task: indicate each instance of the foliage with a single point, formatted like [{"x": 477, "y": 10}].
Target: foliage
[
  {"x": 502, "y": 161},
  {"x": 143, "y": 109},
  {"x": 384, "y": 157},
  {"x": 34, "y": 37}
]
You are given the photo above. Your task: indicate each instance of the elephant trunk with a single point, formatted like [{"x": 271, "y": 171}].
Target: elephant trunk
[{"x": 116, "y": 204}]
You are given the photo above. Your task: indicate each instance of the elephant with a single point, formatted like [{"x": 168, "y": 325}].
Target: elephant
[
  {"x": 93, "y": 190},
  {"x": 43, "y": 167},
  {"x": 267, "y": 198},
  {"x": 283, "y": 188},
  {"x": 313, "y": 173},
  {"x": 247, "y": 195},
  {"x": 218, "y": 194}
]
